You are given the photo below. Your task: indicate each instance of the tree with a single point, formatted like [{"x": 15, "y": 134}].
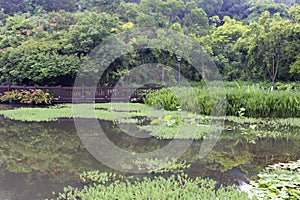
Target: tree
[
  {"x": 295, "y": 67},
  {"x": 220, "y": 44},
  {"x": 257, "y": 7},
  {"x": 196, "y": 22},
  {"x": 37, "y": 62},
  {"x": 294, "y": 12},
  {"x": 269, "y": 47},
  {"x": 211, "y": 7}
]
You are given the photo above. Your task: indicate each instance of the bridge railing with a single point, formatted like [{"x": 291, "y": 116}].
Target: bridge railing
[{"x": 84, "y": 93}]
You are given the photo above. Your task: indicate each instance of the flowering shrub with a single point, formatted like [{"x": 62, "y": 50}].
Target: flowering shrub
[{"x": 36, "y": 96}]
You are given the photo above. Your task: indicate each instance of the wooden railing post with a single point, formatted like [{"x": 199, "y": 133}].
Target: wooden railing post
[
  {"x": 82, "y": 91},
  {"x": 59, "y": 92}
]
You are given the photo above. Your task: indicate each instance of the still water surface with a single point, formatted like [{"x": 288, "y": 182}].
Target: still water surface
[{"x": 38, "y": 158}]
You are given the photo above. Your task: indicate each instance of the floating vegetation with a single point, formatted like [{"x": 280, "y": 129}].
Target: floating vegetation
[
  {"x": 112, "y": 112},
  {"x": 279, "y": 181},
  {"x": 163, "y": 124}
]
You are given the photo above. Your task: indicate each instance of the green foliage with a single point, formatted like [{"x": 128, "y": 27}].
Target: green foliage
[
  {"x": 27, "y": 96},
  {"x": 45, "y": 42},
  {"x": 119, "y": 112},
  {"x": 295, "y": 67},
  {"x": 98, "y": 177},
  {"x": 270, "y": 47},
  {"x": 220, "y": 44},
  {"x": 164, "y": 98},
  {"x": 174, "y": 187},
  {"x": 279, "y": 181},
  {"x": 158, "y": 166},
  {"x": 256, "y": 101}
]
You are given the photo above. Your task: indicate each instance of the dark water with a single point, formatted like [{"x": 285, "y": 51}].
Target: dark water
[{"x": 38, "y": 158}]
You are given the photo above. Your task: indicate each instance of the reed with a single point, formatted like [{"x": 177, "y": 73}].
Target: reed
[{"x": 255, "y": 101}]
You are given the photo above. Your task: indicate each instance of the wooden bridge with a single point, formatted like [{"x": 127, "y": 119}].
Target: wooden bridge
[{"x": 88, "y": 94}]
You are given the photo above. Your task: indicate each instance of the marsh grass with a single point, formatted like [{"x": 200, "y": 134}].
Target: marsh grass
[{"x": 256, "y": 101}]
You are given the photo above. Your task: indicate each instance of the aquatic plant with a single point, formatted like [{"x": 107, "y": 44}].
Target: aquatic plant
[
  {"x": 119, "y": 112},
  {"x": 161, "y": 166},
  {"x": 279, "y": 181},
  {"x": 174, "y": 187},
  {"x": 244, "y": 101},
  {"x": 99, "y": 177}
]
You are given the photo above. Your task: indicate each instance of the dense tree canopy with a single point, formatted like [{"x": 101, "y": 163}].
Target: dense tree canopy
[{"x": 45, "y": 42}]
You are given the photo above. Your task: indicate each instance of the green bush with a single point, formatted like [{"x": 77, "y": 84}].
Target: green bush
[{"x": 255, "y": 101}]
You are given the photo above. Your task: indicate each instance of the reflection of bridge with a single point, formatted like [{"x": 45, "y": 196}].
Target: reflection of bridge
[{"x": 85, "y": 94}]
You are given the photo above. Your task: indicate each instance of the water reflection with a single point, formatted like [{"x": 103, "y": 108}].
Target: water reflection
[{"x": 38, "y": 158}]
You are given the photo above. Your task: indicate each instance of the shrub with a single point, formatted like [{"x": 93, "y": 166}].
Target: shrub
[{"x": 32, "y": 96}]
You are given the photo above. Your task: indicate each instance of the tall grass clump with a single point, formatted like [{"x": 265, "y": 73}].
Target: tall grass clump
[
  {"x": 254, "y": 100},
  {"x": 260, "y": 102}
]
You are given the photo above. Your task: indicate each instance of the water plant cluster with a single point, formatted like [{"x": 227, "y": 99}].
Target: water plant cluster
[
  {"x": 32, "y": 96},
  {"x": 256, "y": 101},
  {"x": 119, "y": 111},
  {"x": 161, "y": 166},
  {"x": 100, "y": 177},
  {"x": 179, "y": 186},
  {"x": 279, "y": 181}
]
